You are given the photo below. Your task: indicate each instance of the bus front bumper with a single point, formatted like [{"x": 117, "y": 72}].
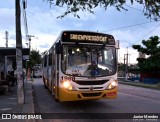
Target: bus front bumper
[{"x": 66, "y": 95}]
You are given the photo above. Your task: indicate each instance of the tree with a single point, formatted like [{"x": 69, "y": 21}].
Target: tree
[
  {"x": 151, "y": 7},
  {"x": 152, "y": 49},
  {"x": 35, "y": 58}
]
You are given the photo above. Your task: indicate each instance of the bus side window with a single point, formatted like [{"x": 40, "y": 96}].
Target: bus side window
[
  {"x": 50, "y": 58},
  {"x": 45, "y": 61},
  {"x": 53, "y": 57}
]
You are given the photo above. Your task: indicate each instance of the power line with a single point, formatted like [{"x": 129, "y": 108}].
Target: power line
[
  {"x": 138, "y": 10},
  {"x": 148, "y": 33},
  {"x": 130, "y": 26},
  {"x": 134, "y": 8},
  {"x": 137, "y": 25},
  {"x": 143, "y": 36}
]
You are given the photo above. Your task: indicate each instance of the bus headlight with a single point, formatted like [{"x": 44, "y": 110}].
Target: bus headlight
[
  {"x": 67, "y": 85},
  {"x": 112, "y": 85}
]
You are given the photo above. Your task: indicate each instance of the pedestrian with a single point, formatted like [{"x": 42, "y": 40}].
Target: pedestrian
[
  {"x": 10, "y": 78},
  {"x": 2, "y": 76}
]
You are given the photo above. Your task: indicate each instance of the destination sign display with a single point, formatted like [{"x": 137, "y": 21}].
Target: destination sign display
[{"x": 87, "y": 37}]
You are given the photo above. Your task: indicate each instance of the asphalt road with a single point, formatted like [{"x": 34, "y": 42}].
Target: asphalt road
[{"x": 130, "y": 99}]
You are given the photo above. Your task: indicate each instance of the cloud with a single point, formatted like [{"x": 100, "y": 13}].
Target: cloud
[
  {"x": 43, "y": 42},
  {"x": 7, "y": 21},
  {"x": 42, "y": 23},
  {"x": 46, "y": 45}
]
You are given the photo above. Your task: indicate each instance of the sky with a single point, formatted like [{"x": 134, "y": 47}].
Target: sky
[{"x": 125, "y": 26}]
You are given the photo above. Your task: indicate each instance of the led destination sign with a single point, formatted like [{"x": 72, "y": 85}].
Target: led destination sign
[{"x": 87, "y": 37}]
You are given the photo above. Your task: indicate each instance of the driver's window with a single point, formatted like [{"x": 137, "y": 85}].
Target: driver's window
[
  {"x": 108, "y": 56},
  {"x": 64, "y": 58},
  {"x": 70, "y": 57}
]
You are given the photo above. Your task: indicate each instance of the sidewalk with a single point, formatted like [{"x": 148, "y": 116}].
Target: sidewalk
[
  {"x": 8, "y": 102},
  {"x": 139, "y": 84}
]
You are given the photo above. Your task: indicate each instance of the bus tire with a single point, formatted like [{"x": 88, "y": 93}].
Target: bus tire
[
  {"x": 45, "y": 86},
  {"x": 57, "y": 100}
]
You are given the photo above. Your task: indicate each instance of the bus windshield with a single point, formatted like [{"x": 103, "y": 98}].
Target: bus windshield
[{"x": 88, "y": 61}]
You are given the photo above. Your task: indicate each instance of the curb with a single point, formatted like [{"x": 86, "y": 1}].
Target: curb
[{"x": 28, "y": 106}]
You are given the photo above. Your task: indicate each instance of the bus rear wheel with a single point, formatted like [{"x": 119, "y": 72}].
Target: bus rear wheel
[
  {"x": 45, "y": 86},
  {"x": 57, "y": 100}
]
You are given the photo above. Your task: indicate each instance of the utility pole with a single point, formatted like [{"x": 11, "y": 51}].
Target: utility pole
[
  {"x": 6, "y": 33},
  {"x": 20, "y": 80},
  {"x": 124, "y": 60},
  {"x": 127, "y": 64},
  {"x": 127, "y": 61}
]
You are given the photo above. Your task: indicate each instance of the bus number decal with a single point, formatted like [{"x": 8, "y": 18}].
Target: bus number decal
[{"x": 70, "y": 78}]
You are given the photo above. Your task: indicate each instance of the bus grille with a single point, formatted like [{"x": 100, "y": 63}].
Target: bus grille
[
  {"x": 91, "y": 94},
  {"x": 97, "y": 82},
  {"x": 88, "y": 88}
]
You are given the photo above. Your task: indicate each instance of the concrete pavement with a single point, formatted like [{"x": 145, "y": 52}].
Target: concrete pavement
[{"x": 9, "y": 104}]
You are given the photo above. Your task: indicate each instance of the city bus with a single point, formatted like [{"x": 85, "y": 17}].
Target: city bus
[
  {"x": 81, "y": 65},
  {"x": 37, "y": 70}
]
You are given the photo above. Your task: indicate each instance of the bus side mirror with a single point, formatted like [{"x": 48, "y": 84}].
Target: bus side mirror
[
  {"x": 117, "y": 44},
  {"x": 58, "y": 48}
]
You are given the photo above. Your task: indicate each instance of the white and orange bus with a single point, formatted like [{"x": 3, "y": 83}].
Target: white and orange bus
[{"x": 81, "y": 65}]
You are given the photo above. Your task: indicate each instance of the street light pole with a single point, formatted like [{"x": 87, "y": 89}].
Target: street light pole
[
  {"x": 20, "y": 91},
  {"x": 6, "y": 38},
  {"x": 29, "y": 38}
]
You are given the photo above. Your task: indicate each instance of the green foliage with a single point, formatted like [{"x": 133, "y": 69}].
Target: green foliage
[
  {"x": 151, "y": 7},
  {"x": 152, "y": 49},
  {"x": 35, "y": 58}
]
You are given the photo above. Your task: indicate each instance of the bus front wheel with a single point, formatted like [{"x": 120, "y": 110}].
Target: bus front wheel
[{"x": 56, "y": 99}]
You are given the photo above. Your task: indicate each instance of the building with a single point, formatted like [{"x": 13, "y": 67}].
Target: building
[
  {"x": 142, "y": 55},
  {"x": 8, "y": 58}
]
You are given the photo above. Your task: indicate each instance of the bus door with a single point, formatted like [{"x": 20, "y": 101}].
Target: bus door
[
  {"x": 57, "y": 75},
  {"x": 57, "y": 59},
  {"x": 49, "y": 70},
  {"x": 45, "y": 70}
]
